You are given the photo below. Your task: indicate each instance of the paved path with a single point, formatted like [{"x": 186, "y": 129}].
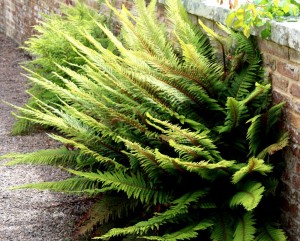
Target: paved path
[{"x": 27, "y": 215}]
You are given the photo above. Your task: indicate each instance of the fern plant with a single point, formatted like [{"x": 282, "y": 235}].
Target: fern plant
[
  {"x": 176, "y": 133},
  {"x": 49, "y": 47}
]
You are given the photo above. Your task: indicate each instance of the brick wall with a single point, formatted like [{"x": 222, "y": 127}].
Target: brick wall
[
  {"x": 281, "y": 60},
  {"x": 18, "y": 16},
  {"x": 283, "y": 67}
]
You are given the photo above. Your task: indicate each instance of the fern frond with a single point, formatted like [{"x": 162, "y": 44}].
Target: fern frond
[
  {"x": 146, "y": 159},
  {"x": 186, "y": 233},
  {"x": 58, "y": 157},
  {"x": 180, "y": 206},
  {"x": 108, "y": 207},
  {"x": 205, "y": 169},
  {"x": 261, "y": 127},
  {"x": 134, "y": 185},
  {"x": 87, "y": 151},
  {"x": 70, "y": 185},
  {"x": 279, "y": 145},
  {"x": 249, "y": 195},
  {"x": 254, "y": 165},
  {"x": 271, "y": 233},
  {"x": 245, "y": 229},
  {"x": 236, "y": 112},
  {"x": 187, "y": 137},
  {"x": 222, "y": 229}
]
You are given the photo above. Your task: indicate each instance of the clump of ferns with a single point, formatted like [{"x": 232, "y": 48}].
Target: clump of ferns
[
  {"x": 49, "y": 47},
  {"x": 177, "y": 135}
]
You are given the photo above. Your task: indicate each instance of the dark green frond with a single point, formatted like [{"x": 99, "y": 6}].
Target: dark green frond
[
  {"x": 186, "y": 233},
  {"x": 134, "y": 185},
  {"x": 271, "y": 233},
  {"x": 245, "y": 228},
  {"x": 236, "y": 112},
  {"x": 107, "y": 208},
  {"x": 179, "y": 206},
  {"x": 222, "y": 229}
]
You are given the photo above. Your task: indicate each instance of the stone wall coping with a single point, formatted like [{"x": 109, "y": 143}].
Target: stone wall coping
[{"x": 283, "y": 33}]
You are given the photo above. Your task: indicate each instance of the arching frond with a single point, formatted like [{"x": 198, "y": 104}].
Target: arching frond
[
  {"x": 186, "y": 233},
  {"x": 179, "y": 206},
  {"x": 71, "y": 185},
  {"x": 134, "y": 185},
  {"x": 249, "y": 195},
  {"x": 254, "y": 165},
  {"x": 271, "y": 233},
  {"x": 59, "y": 157}
]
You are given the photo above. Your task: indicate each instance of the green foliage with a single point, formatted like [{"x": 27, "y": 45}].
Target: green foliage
[
  {"x": 178, "y": 123},
  {"x": 258, "y": 13},
  {"x": 49, "y": 48}
]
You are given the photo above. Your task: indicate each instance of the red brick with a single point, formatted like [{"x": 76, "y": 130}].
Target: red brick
[
  {"x": 294, "y": 56},
  {"x": 294, "y": 120},
  {"x": 279, "y": 82},
  {"x": 295, "y": 89},
  {"x": 279, "y": 97},
  {"x": 269, "y": 61},
  {"x": 273, "y": 48},
  {"x": 288, "y": 70}
]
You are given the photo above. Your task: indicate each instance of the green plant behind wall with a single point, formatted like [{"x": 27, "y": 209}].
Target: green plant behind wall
[
  {"x": 259, "y": 13},
  {"x": 49, "y": 47},
  {"x": 175, "y": 135}
]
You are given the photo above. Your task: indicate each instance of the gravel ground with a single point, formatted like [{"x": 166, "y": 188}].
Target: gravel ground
[{"x": 28, "y": 215}]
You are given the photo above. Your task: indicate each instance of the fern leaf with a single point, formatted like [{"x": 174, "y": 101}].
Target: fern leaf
[
  {"x": 205, "y": 169},
  {"x": 271, "y": 233},
  {"x": 134, "y": 185},
  {"x": 273, "y": 116},
  {"x": 107, "y": 208},
  {"x": 236, "y": 112},
  {"x": 279, "y": 145},
  {"x": 254, "y": 165},
  {"x": 254, "y": 134},
  {"x": 180, "y": 206},
  {"x": 71, "y": 185},
  {"x": 222, "y": 229},
  {"x": 61, "y": 157},
  {"x": 186, "y": 233},
  {"x": 249, "y": 196},
  {"x": 245, "y": 229}
]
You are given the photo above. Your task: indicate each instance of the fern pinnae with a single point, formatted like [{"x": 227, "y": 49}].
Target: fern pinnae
[
  {"x": 61, "y": 156},
  {"x": 222, "y": 228},
  {"x": 185, "y": 233},
  {"x": 271, "y": 232},
  {"x": 249, "y": 195},
  {"x": 147, "y": 159},
  {"x": 133, "y": 185},
  {"x": 245, "y": 229},
  {"x": 282, "y": 142},
  {"x": 179, "y": 207},
  {"x": 84, "y": 149},
  {"x": 70, "y": 185},
  {"x": 254, "y": 165}
]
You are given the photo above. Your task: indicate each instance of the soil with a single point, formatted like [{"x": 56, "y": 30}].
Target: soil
[{"x": 27, "y": 214}]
